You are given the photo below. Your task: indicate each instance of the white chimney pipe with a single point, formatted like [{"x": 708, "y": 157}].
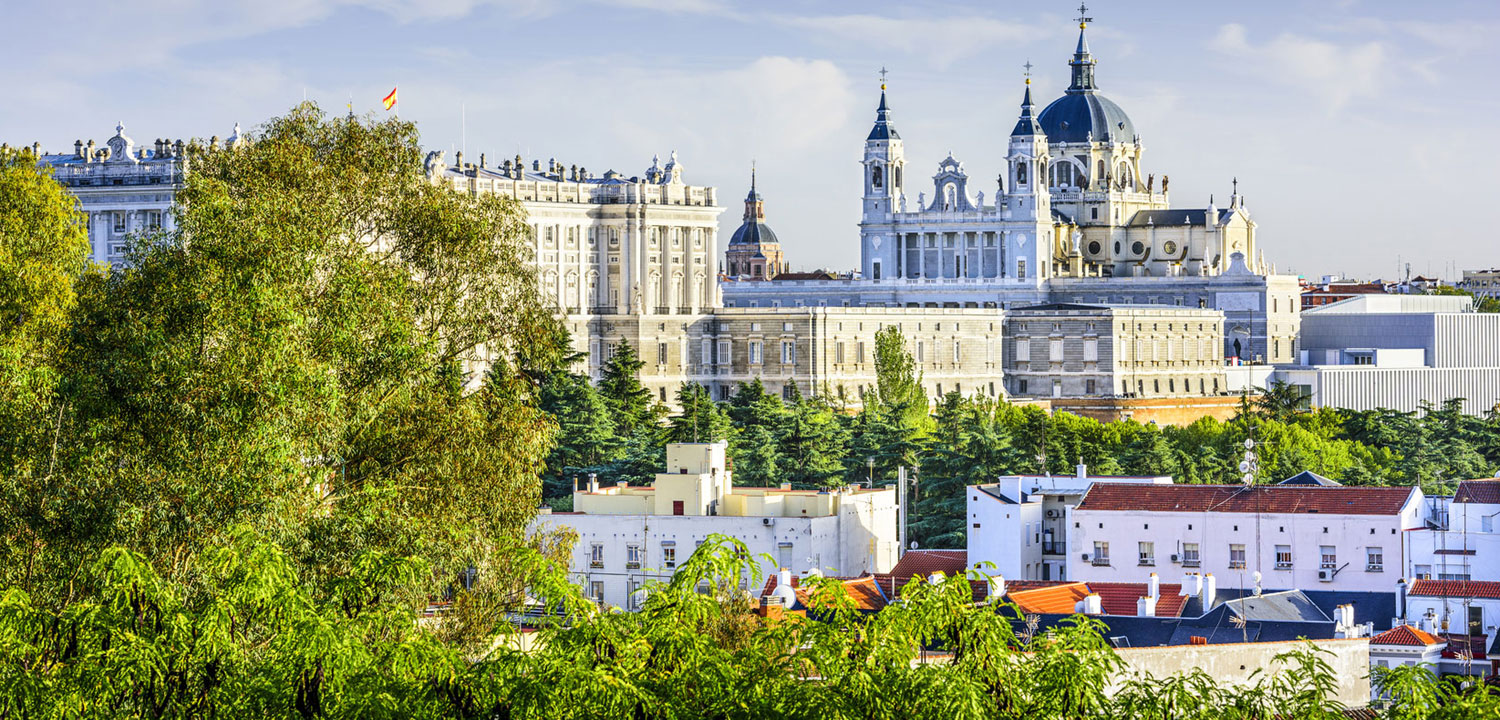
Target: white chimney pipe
[
  {"x": 784, "y": 577},
  {"x": 1093, "y": 605},
  {"x": 1153, "y": 587},
  {"x": 1210, "y": 590},
  {"x": 1192, "y": 585},
  {"x": 997, "y": 586},
  {"x": 935, "y": 578},
  {"x": 1083, "y": 471},
  {"x": 1145, "y": 607}
]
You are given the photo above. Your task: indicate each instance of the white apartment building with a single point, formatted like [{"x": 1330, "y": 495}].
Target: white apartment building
[
  {"x": 1274, "y": 537},
  {"x": 1461, "y": 542},
  {"x": 1019, "y": 523},
  {"x": 631, "y": 536}
]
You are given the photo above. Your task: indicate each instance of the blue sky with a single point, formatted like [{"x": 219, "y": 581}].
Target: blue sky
[{"x": 1358, "y": 129}]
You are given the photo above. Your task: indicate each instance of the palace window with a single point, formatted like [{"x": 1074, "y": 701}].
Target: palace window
[{"x": 755, "y": 349}]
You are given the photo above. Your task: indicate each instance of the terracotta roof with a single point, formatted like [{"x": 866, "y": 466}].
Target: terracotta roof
[
  {"x": 1058, "y": 599},
  {"x": 1406, "y": 635},
  {"x": 1456, "y": 588},
  {"x": 927, "y": 562},
  {"x": 1483, "y": 492},
  {"x": 864, "y": 590},
  {"x": 891, "y": 585},
  {"x": 1119, "y": 598},
  {"x": 1240, "y": 499}
]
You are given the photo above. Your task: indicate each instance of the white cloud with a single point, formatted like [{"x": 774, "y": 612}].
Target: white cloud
[{"x": 1331, "y": 73}]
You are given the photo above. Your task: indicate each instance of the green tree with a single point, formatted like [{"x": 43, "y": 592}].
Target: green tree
[
  {"x": 586, "y": 430},
  {"x": 629, "y": 402},
  {"x": 301, "y": 355},
  {"x": 701, "y": 419},
  {"x": 813, "y": 443}
]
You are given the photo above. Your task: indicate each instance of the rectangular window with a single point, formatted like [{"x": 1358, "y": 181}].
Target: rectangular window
[
  {"x": 1055, "y": 350},
  {"x": 1190, "y": 555},
  {"x": 784, "y": 555},
  {"x": 706, "y": 354},
  {"x": 1023, "y": 350},
  {"x": 1330, "y": 557},
  {"x": 723, "y": 357},
  {"x": 1374, "y": 559},
  {"x": 1101, "y": 553},
  {"x": 788, "y": 352},
  {"x": 1283, "y": 557},
  {"x": 1476, "y": 620},
  {"x": 669, "y": 556},
  {"x": 119, "y": 222},
  {"x": 1236, "y": 556},
  {"x": 661, "y": 353},
  {"x": 921, "y": 351},
  {"x": 632, "y": 557},
  {"x": 596, "y": 591},
  {"x": 1021, "y": 387},
  {"x": 1088, "y": 387},
  {"x": 1147, "y": 553},
  {"x": 754, "y": 352},
  {"x": 838, "y": 353},
  {"x": 1422, "y": 572},
  {"x": 633, "y": 589},
  {"x": 596, "y": 555},
  {"x": 1091, "y": 350},
  {"x": 677, "y": 507},
  {"x": 859, "y": 352},
  {"x": 1021, "y": 269}
]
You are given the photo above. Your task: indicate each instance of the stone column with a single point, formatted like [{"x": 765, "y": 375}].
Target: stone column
[
  {"x": 922, "y": 255},
  {"x": 627, "y": 269}
]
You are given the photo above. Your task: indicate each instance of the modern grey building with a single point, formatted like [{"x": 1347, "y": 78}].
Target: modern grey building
[{"x": 1398, "y": 352}]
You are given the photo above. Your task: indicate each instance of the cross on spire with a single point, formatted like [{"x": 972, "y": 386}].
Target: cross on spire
[
  {"x": 1083, "y": 15},
  {"x": 1028, "y": 67},
  {"x": 882, "y": 77}
]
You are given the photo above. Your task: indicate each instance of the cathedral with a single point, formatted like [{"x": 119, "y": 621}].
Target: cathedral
[
  {"x": 1076, "y": 215},
  {"x": 1074, "y": 200}
]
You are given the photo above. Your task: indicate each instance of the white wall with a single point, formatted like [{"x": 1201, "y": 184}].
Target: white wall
[{"x": 1214, "y": 532}]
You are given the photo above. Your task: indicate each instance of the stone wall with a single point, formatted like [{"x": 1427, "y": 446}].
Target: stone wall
[{"x": 1234, "y": 663}]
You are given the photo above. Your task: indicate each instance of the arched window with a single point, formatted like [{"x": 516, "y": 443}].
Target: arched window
[
  {"x": 876, "y": 176},
  {"x": 1099, "y": 173},
  {"x": 1021, "y": 172},
  {"x": 897, "y": 177}
]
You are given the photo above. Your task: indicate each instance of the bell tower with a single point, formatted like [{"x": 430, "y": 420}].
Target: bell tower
[
  {"x": 1028, "y": 204},
  {"x": 884, "y": 181}
]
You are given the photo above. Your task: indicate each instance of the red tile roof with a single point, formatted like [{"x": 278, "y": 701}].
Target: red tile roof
[
  {"x": 1119, "y": 598},
  {"x": 927, "y": 562},
  {"x": 1483, "y": 492},
  {"x": 1406, "y": 635},
  {"x": 1240, "y": 499},
  {"x": 1488, "y": 589},
  {"x": 1058, "y": 599},
  {"x": 864, "y": 590}
]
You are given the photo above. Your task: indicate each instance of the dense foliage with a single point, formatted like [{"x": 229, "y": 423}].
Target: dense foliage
[
  {"x": 298, "y": 357},
  {"x": 258, "y": 645}
]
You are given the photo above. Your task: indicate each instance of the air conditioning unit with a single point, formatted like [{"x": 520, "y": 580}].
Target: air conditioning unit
[
  {"x": 1176, "y": 558},
  {"x": 1054, "y": 514},
  {"x": 768, "y": 522},
  {"x": 1085, "y": 557},
  {"x": 1325, "y": 575}
]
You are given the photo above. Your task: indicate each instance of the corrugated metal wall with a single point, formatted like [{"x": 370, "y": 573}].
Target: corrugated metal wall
[
  {"x": 1404, "y": 389},
  {"x": 1467, "y": 340}
]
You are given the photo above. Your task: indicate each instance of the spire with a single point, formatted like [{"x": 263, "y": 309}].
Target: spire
[
  {"x": 1083, "y": 60},
  {"x": 753, "y": 196},
  {"x": 883, "y": 129},
  {"x": 754, "y": 208},
  {"x": 1027, "y": 125}
]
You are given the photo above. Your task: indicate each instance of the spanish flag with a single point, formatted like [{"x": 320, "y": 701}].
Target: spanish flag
[{"x": 390, "y": 100}]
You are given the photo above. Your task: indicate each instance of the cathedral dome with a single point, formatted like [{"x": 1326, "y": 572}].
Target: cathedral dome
[
  {"x": 1078, "y": 117},
  {"x": 753, "y": 233},
  {"x": 1083, "y": 114}
]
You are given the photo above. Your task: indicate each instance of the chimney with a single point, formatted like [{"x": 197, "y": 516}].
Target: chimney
[
  {"x": 1093, "y": 605},
  {"x": 1349, "y": 615},
  {"x": 1197, "y": 640},
  {"x": 78, "y": 148},
  {"x": 593, "y": 483},
  {"x": 1210, "y": 589},
  {"x": 1145, "y": 607},
  {"x": 997, "y": 587},
  {"x": 1153, "y": 587},
  {"x": 622, "y": 483},
  {"x": 1083, "y": 471},
  {"x": 1400, "y": 599},
  {"x": 1192, "y": 585}
]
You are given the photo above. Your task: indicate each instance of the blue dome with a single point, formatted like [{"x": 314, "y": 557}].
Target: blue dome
[
  {"x": 751, "y": 233},
  {"x": 1076, "y": 116}
]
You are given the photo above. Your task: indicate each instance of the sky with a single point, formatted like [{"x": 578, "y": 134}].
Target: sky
[{"x": 1353, "y": 126}]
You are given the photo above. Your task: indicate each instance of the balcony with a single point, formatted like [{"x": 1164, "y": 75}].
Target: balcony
[
  {"x": 1055, "y": 547},
  {"x": 1101, "y": 562},
  {"x": 596, "y": 564}
]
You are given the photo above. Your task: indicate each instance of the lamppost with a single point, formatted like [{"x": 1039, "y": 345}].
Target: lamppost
[{"x": 871, "y": 462}]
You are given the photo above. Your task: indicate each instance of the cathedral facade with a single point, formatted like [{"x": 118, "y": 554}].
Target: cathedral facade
[{"x": 1075, "y": 215}]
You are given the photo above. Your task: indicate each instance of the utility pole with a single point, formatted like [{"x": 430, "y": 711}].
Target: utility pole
[{"x": 900, "y": 512}]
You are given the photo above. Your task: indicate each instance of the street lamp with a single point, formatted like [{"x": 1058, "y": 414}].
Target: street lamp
[{"x": 871, "y": 462}]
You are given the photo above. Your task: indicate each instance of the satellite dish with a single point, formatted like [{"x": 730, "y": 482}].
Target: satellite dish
[
  {"x": 914, "y": 544},
  {"x": 1244, "y": 466},
  {"x": 1249, "y": 444}
]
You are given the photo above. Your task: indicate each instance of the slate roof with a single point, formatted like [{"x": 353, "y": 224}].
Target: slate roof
[
  {"x": 1176, "y": 216},
  {"x": 1115, "y": 598},
  {"x": 1406, "y": 635},
  {"x": 1308, "y": 477},
  {"x": 1240, "y": 499},
  {"x": 1483, "y": 492},
  {"x": 753, "y": 234},
  {"x": 1487, "y": 589},
  {"x": 1287, "y": 605},
  {"x": 1079, "y": 116}
]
